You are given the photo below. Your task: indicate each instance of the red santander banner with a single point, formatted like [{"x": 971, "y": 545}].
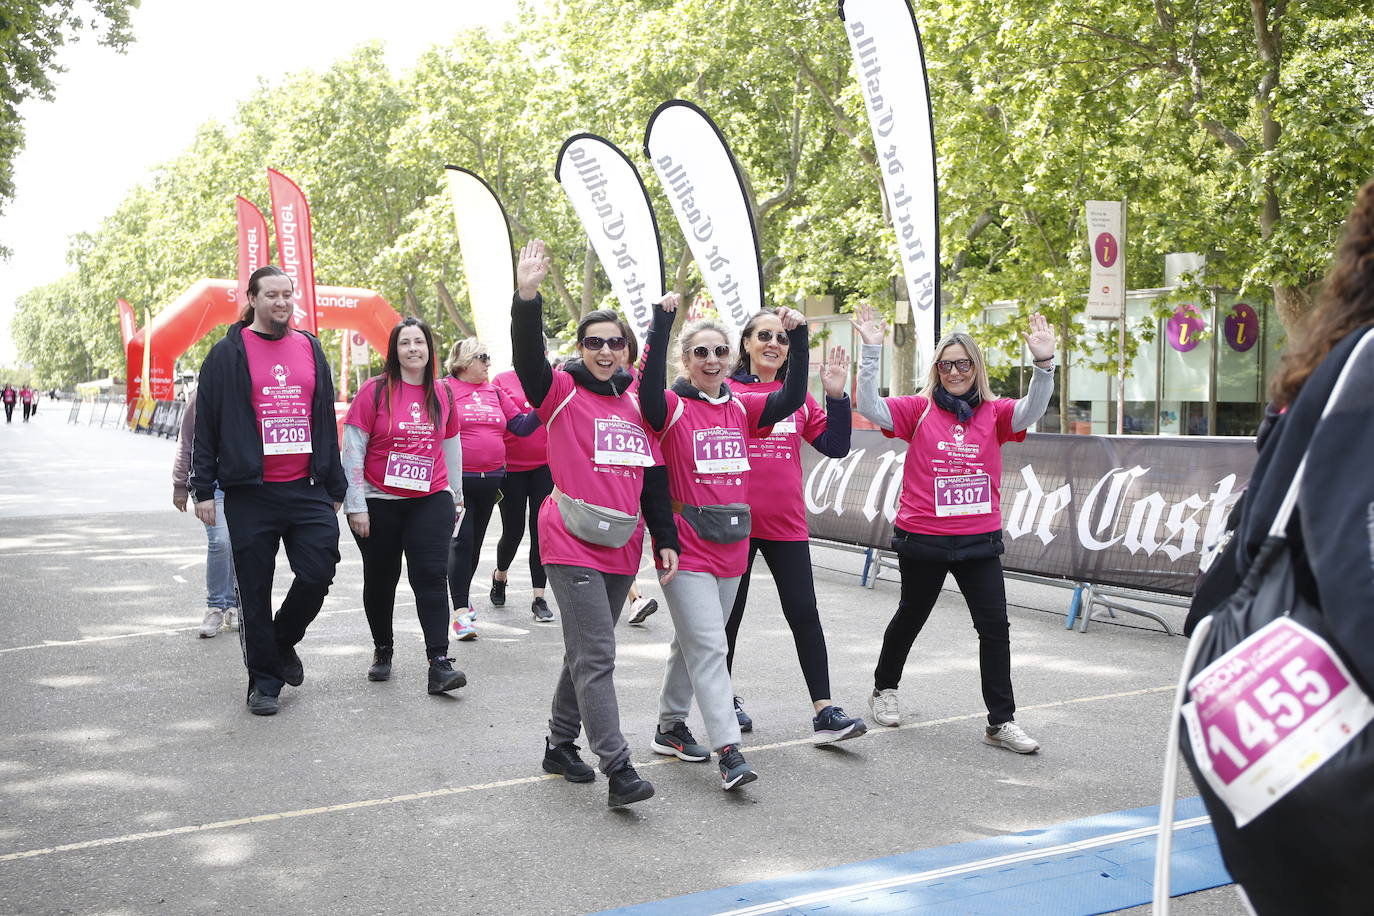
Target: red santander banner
[
  {"x": 254, "y": 248},
  {"x": 295, "y": 245},
  {"x": 128, "y": 323}
]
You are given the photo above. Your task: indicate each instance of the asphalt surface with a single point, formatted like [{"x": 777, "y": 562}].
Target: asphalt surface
[{"x": 133, "y": 780}]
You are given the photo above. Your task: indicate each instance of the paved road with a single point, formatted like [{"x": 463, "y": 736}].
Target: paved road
[{"x": 133, "y": 780}]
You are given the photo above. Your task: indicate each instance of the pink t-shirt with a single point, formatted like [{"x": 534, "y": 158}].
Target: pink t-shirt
[
  {"x": 779, "y": 509},
  {"x": 706, "y": 451},
  {"x": 598, "y": 449},
  {"x": 10, "y": 395},
  {"x": 405, "y": 455},
  {"x": 483, "y": 410},
  {"x": 952, "y": 479},
  {"x": 26, "y": 396},
  {"x": 283, "y": 376},
  {"x": 523, "y": 453}
]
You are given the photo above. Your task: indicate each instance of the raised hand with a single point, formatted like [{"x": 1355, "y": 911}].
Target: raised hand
[
  {"x": 531, "y": 268},
  {"x": 835, "y": 373},
  {"x": 1041, "y": 338},
  {"x": 791, "y": 318},
  {"x": 870, "y": 325},
  {"x": 670, "y": 302}
]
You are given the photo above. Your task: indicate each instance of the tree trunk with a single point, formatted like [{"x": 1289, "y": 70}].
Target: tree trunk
[
  {"x": 452, "y": 308},
  {"x": 588, "y": 281},
  {"x": 1293, "y": 304}
]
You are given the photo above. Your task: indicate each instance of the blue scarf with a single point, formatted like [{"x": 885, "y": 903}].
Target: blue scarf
[{"x": 961, "y": 405}]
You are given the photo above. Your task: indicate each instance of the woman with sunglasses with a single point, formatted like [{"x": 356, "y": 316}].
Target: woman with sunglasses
[
  {"x": 703, "y": 428},
  {"x": 400, "y": 440},
  {"x": 591, "y": 528},
  {"x": 486, "y": 414},
  {"x": 779, "y": 521},
  {"x": 949, "y": 518}
]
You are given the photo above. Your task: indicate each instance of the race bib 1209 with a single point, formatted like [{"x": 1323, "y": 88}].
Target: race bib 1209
[{"x": 286, "y": 435}]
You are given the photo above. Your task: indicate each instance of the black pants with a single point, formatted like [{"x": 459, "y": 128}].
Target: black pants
[
  {"x": 9, "y": 413},
  {"x": 523, "y": 488},
  {"x": 986, "y": 593},
  {"x": 790, "y": 564},
  {"x": 479, "y": 498},
  {"x": 300, "y": 515},
  {"x": 420, "y": 527},
  {"x": 28, "y": 411}
]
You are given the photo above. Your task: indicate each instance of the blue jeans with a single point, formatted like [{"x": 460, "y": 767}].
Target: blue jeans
[{"x": 220, "y": 591}]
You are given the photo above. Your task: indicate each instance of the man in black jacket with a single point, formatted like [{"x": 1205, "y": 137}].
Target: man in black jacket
[{"x": 266, "y": 430}]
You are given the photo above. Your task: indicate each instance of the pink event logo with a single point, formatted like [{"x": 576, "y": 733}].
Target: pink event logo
[
  {"x": 1242, "y": 327},
  {"x": 1184, "y": 328},
  {"x": 1105, "y": 247}
]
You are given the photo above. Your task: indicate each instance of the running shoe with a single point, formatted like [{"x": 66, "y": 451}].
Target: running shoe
[
  {"x": 746, "y": 724},
  {"x": 642, "y": 609},
  {"x": 563, "y": 760},
  {"x": 883, "y": 703},
  {"x": 1010, "y": 736},
  {"x": 260, "y": 704},
  {"x": 540, "y": 609},
  {"x": 292, "y": 671},
  {"x": 209, "y": 627},
  {"x": 443, "y": 677},
  {"x": 231, "y": 619},
  {"x": 465, "y": 625},
  {"x": 831, "y": 725},
  {"x": 498, "y": 592},
  {"x": 381, "y": 664},
  {"x": 734, "y": 770},
  {"x": 627, "y": 787},
  {"x": 678, "y": 742}
]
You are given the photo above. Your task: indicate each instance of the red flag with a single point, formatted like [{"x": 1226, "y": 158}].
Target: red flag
[
  {"x": 295, "y": 245},
  {"x": 254, "y": 248},
  {"x": 127, "y": 323}
]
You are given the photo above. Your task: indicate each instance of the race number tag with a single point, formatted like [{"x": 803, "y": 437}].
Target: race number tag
[
  {"x": 409, "y": 472},
  {"x": 620, "y": 442},
  {"x": 1268, "y": 713},
  {"x": 286, "y": 436},
  {"x": 719, "y": 451},
  {"x": 966, "y": 494}
]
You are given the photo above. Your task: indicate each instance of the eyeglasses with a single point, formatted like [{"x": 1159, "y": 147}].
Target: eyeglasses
[
  {"x": 597, "y": 343},
  {"x": 766, "y": 336},
  {"x": 720, "y": 350},
  {"x": 949, "y": 365},
  {"x": 483, "y": 357}
]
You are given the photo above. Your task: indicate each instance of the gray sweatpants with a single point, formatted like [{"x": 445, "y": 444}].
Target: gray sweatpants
[
  {"x": 589, "y": 604},
  {"x": 699, "y": 603}
]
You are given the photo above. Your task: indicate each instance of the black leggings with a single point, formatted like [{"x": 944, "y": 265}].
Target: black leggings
[
  {"x": 521, "y": 488},
  {"x": 985, "y": 590},
  {"x": 419, "y": 527},
  {"x": 790, "y": 564},
  {"x": 479, "y": 498}
]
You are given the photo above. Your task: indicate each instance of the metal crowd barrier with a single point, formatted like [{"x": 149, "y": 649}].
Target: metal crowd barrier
[{"x": 98, "y": 410}]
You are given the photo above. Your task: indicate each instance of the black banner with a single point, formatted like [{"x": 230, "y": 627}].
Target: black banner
[{"x": 1132, "y": 511}]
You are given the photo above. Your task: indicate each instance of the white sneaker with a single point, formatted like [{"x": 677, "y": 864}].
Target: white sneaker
[
  {"x": 465, "y": 625},
  {"x": 1010, "y": 736},
  {"x": 641, "y": 609},
  {"x": 209, "y": 627},
  {"x": 231, "y": 619},
  {"x": 883, "y": 703}
]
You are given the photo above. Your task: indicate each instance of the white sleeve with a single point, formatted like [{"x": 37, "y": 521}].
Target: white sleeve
[
  {"x": 453, "y": 459},
  {"x": 354, "y": 454},
  {"x": 870, "y": 406},
  {"x": 1032, "y": 407}
]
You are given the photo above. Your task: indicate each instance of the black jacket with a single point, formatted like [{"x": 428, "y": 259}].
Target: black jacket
[{"x": 228, "y": 442}]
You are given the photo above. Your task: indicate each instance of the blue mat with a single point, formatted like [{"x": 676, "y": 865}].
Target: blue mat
[{"x": 1094, "y": 865}]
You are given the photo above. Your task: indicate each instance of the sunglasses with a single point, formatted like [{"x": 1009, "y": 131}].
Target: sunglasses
[
  {"x": 768, "y": 337},
  {"x": 597, "y": 343},
  {"x": 949, "y": 365},
  {"x": 721, "y": 352},
  {"x": 483, "y": 357}
]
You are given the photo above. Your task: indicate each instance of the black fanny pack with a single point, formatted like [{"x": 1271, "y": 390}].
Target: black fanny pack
[
  {"x": 727, "y": 524},
  {"x": 947, "y": 548}
]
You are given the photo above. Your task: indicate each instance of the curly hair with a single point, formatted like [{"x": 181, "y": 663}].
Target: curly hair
[{"x": 1346, "y": 302}]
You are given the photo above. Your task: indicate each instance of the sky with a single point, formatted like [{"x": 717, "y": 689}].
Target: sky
[{"x": 116, "y": 117}]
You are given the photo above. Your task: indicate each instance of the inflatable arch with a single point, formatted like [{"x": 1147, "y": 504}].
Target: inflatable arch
[{"x": 211, "y": 303}]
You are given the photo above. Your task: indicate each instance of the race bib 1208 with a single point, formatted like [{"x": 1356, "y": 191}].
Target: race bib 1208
[{"x": 409, "y": 472}]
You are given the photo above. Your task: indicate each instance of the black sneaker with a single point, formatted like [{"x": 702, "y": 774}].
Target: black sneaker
[
  {"x": 443, "y": 677},
  {"x": 831, "y": 725},
  {"x": 540, "y": 609},
  {"x": 292, "y": 671},
  {"x": 562, "y": 760},
  {"x": 498, "y": 592},
  {"x": 678, "y": 742},
  {"x": 627, "y": 787},
  {"x": 734, "y": 771},
  {"x": 260, "y": 704},
  {"x": 381, "y": 664},
  {"x": 746, "y": 724}
]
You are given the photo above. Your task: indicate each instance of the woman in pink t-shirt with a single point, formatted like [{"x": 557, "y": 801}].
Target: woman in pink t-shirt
[
  {"x": 949, "y": 517},
  {"x": 486, "y": 413},
  {"x": 524, "y": 489},
  {"x": 779, "y": 529},
  {"x": 703, "y": 429},
  {"x": 400, "y": 446}
]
